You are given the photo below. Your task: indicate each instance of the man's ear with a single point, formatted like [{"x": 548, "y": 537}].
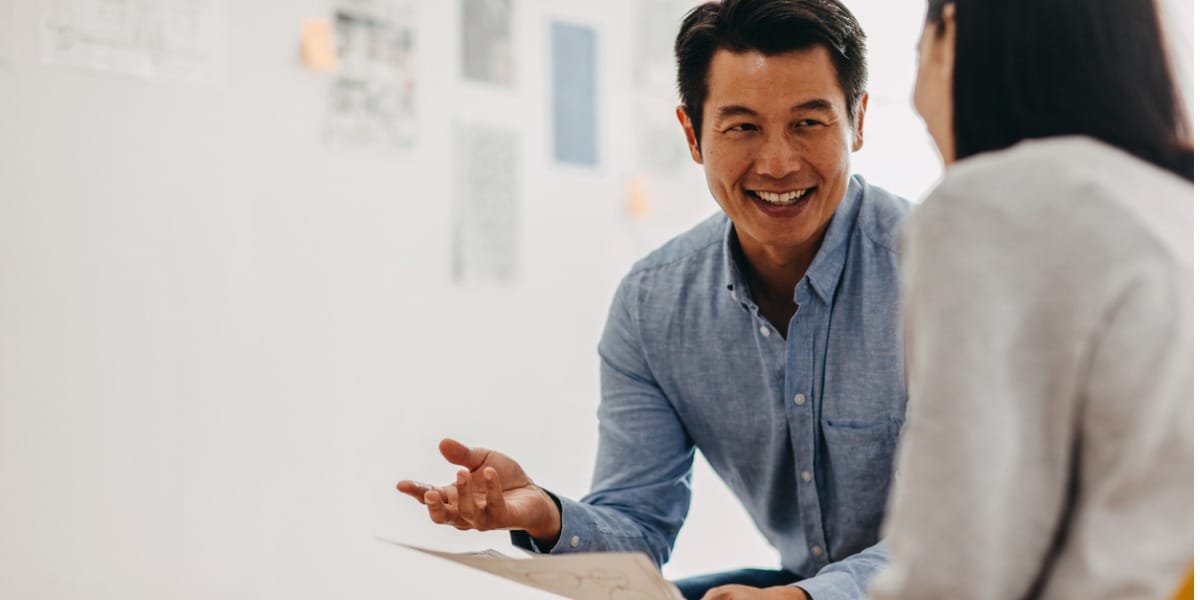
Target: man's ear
[
  {"x": 860, "y": 118},
  {"x": 690, "y": 133}
]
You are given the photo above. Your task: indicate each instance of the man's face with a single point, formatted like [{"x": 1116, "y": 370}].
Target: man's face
[{"x": 775, "y": 145}]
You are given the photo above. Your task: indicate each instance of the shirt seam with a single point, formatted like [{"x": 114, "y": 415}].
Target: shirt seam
[{"x": 675, "y": 261}]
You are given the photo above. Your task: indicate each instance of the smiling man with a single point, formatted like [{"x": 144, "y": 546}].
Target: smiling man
[{"x": 766, "y": 337}]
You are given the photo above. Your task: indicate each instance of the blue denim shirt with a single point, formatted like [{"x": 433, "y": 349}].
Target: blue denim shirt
[{"x": 801, "y": 429}]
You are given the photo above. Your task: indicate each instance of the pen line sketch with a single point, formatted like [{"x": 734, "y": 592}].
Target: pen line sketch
[
  {"x": 583, "y": 576},
  {"x": 172, "y": 40}
]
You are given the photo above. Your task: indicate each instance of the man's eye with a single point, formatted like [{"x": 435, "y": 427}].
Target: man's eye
[
  {"x": 807, "y": 123},
  {"x": 743, "y": 127}
]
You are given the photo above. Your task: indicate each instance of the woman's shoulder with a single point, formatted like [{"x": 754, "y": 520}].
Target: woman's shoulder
[{"x": 1070, "y": 184}]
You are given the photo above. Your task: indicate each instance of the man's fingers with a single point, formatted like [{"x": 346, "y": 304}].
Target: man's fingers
[
  {"x": 467, "y": 508},
  {"x": 461, "y": 455},
  {"x": 495, "y": 495},
  {"x": 414, "y": 489},
  {"x": 437, "y": 509}
]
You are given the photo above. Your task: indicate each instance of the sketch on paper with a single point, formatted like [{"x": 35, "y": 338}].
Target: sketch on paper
[
  {"x": 372, "y": 96},
  {"x": 584, "y": 576},
  {"x": 487, "y": 47},
  {"x": 485, "y": 205},
  {"x": 573, "y": 66},
  {"x": 171, "y": 40}
]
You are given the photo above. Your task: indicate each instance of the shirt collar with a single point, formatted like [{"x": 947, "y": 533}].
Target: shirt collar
[{"x": 826, "y": 269}]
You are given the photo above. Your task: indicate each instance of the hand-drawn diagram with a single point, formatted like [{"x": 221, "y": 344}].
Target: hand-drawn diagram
[
  {"x": 372, "y": 97},
  {"x": 175, "y": 40},
  {"x": 584, "y": 576}
]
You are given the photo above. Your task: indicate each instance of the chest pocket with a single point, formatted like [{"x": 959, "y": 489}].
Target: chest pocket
[{"x": 859, "y": 460}]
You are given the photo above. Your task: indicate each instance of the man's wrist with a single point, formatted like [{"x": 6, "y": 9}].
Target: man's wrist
[{"x": 546, "y": 533}]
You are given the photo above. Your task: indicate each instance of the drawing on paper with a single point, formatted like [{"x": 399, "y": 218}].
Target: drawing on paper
[
  {"x": 487, "y": 47},
  {"x": 585, "y": 576},
  {"x": 485, "y": 205},
  {"x": 372, "y": 96},
  {"x": 172, "y": 40}
]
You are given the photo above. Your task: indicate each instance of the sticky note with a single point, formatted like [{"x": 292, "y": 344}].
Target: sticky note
[
  {"x": 637, "y": 204},
  {"x": 316, "y": 46}
]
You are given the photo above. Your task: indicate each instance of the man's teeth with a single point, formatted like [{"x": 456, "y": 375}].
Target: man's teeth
[{"x": 781, "y": 199}]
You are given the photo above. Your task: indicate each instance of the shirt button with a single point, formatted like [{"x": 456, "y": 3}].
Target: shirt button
[
  {"x": 807, "y": 477},
  {"x": 799, "y": 399},
  {"x": 816, "y": 551},
  {"x": 763, "y": 330},
  {"x": 574, "y": 541}
]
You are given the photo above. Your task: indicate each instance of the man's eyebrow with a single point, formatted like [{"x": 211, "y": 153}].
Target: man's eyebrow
[
  {"x": 737, "y": 110},
  {"x": 814, "y": 104},
  {"x": 734, "y": 110}
]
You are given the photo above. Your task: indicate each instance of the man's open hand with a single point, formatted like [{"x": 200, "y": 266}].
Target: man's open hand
[{"x": 490, "y": 492}]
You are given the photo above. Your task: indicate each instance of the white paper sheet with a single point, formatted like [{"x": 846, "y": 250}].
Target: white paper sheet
[
  {"x": 372, "y": 101},
  {"x": 583, "y": 576},
  {"x": 7, "y": 32},
  {"x": 174, "y": 40},
  {"x": 485, "y": 207}
]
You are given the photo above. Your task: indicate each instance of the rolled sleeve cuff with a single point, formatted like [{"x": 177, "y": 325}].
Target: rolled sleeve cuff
[
  {"x": 577, "y": 533},
  {"x": 832, "y": 586}
]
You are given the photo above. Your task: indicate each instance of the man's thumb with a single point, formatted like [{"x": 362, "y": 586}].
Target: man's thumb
[{"x": 458, "y": 454}]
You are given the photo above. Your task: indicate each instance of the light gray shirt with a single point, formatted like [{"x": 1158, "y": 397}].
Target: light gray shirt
[{"x": 1047, "y": 293}]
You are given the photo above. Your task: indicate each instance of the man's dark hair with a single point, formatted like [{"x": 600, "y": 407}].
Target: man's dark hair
[
  {"x": 771, "y": 27},
  {"x": 1039, "y": 68}
]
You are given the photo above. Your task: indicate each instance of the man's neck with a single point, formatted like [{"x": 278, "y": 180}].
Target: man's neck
[{"x": 772, "y": 273}]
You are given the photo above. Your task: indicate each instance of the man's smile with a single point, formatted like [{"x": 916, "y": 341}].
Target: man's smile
[{"x": 780, "y": 198}]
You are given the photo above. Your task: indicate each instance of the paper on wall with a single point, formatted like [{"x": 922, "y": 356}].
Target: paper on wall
[
  {"x": 7, "y": 31},
  {"x": 573, "y": 73},
  {"x": 372, "y": 98},
  {"x": 173, "y": 40},
  {"x": 487, "y": 45},
  {"x": 485, "y": 205},
  {"x": 583, "y": 576}
]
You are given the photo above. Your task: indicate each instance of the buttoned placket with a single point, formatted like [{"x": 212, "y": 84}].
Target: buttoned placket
[{"x": 798, "y": 387}]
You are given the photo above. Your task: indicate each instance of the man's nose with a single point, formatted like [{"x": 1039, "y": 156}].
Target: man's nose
[{"x": 778, "y": 157}]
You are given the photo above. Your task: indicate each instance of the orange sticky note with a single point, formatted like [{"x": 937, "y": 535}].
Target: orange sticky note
[
  {"x": 638, "y": 202},
  {"x": 316, "y": 46}
]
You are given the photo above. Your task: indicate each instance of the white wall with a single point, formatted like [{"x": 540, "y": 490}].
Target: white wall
[{"x": 222, "y": 342}]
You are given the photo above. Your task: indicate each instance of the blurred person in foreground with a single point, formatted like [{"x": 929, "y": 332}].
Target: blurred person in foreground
[
  {"x": 767, "y": 337},
  {"x": 1048, "y": 311}
]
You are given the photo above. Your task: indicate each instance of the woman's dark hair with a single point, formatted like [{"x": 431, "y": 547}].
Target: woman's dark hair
[
  {"x": 771, "y": 27},
  {"x": 1040, "y": 68}
]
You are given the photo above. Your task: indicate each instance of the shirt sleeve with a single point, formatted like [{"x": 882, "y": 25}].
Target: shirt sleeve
[
  {"x": 641, "y": 486},
  {"x": 847, "y": 579}
]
